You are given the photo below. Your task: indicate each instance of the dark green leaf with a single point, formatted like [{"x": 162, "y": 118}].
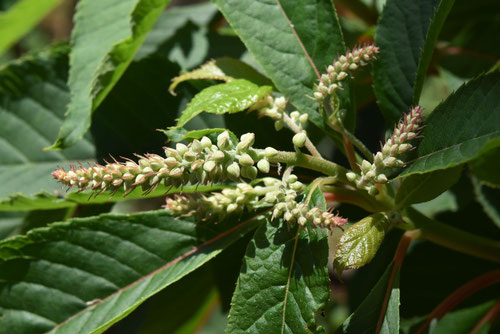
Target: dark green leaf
[
  {"x": 289, "y": 39},
  {"x": 360, "y": 242},
  {"x": 230, "y": 97},
  {"x": 240, "y": 70},
  {"x": 21, "y": 18},
  {"x": 33, "y": 98},
  {"x": 467, "y": 50},
  {"x": 420, "y": 188},
  {"x": 466, "y": 124},
  {"x": 364, "y": 320},
  {"x": 489, "y": 198},
  {"x": 273, "y": 297},
  {"x": 117, "y": 261},
  {"x": 106, "y": 36},
  {"x": 406, "y": 34},
  {"x": 194, "y": 296},
  {"x": 10, "y": 222},
  {"x": 461, "y": 321},
  {"x": 162, "y": 37},
  {"x": 486, "y": 167}
]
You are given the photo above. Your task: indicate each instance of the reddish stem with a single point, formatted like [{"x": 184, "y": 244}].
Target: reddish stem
[
  {"x": 349, "y": 151},
  {"x": 460, "y": 294},
  {"x": 492, "y": 314},
  {"x": 399, "y": 256}
]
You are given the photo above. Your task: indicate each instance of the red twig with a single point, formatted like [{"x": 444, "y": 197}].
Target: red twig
[
  {"x": 460, "y": 294},
  {"x": 491, "y": 315}
]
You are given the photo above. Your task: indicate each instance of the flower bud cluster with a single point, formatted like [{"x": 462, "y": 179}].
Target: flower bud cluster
[
  {"x": 389, "y": 156},
  {"x": 280, "y": 194},
  {"x": 341, "y": 69},
  {"x": 200, "y": 162},
  {"x": 293, "y": 212},
  {"x": 275, "y": 109},
  {"x": 217, "y": 205}
]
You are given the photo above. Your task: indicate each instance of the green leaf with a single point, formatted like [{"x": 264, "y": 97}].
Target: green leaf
[
  {"x": 290, "y": 39},
  {"x": 10, "y": 222},
  {"x": 209, "y": 70},
  {"x": 105, "y": 38},
  {"x": 364, "y": 320},
  {"x": 21, "y": 18},
  {"x": 360, "y": 242},
  {"x": 194, "y": 296},
  {"x": 486, "y": 167},
  {"x": 406, "y": 34},
  {"x": 240, "y": 70},
  {"x": 283, "y": 282},
  {"x": 117, "y": 261},
  {"x": 464, "y": 32},
  {"x": 447, "y": 201},
  {"x": 489, "y": 199},
  {"x": 167, "y": 36},
  {"x": 461, "y": 321},
  {"x": 420, "y": 188},
  {"x": 230, "y": 97},
  {"x": 465, "y": 125},
  {"x": 33, "y": 99}
]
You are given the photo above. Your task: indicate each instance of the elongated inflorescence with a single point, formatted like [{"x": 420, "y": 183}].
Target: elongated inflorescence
[
  {"x": 200, "y": 162},
  {"x": 286, "y": 206},
  {"x": 282, "y": 194},
  {"x": 389, "y": 156},
  {"x": 341, "y": 69}
]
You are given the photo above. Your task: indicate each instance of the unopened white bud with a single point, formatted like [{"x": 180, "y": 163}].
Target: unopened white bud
[
  {"x": 181, "y": 148},
  {"x": 246, "y": 160},
  {"x": 270, "y": 152},
  {"x": 351, "y": 176},
  {"x": 303, "y": 119},
  {"x": 224, "y": 141},
  {"x": 299, "y": 139},
  {"x": 233, "y": 170},
  {"x": 319, "y": 96},
  {"x": 206, "y": 142},
  {"x": 278, "y": 125},
  {"x": 263, "y": 166}
]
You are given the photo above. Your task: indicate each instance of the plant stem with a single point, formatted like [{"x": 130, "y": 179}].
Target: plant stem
[
  {"x": 490, "y": 316},
  {"x": 295, "y": 128},
  {"x": 358, "y": 144},
  {"x": 465, "y": 291},
  {"x": 307, "y": 161},
  {"x": 351, "y": 156},
  {"x": 452, "y": 238},
  {"x": 357, "y": 197}
]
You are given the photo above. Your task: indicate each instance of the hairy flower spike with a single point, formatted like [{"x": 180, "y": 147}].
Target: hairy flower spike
[
  {"x": 293, "y": 212},
  {"x": 389, "y": 155},
  {"x": 200, "y": 162},
  {"x": 341, "y": 68},
  {"x": 217, "y": 205}
]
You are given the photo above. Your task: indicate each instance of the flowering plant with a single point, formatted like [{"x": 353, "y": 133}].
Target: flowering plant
[{"x": 264, "y": 199}]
